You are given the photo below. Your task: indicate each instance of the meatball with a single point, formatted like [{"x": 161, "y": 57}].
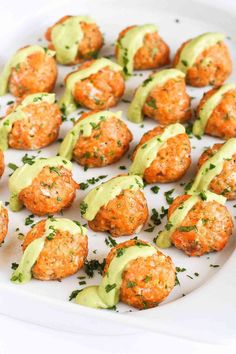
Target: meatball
[
  {"x": 39, "y": 128},
  {"x": 107, "y": 143},
  {"x": 2, "y": 165},
  {"x": 61, "y": 256},
  {"x": 38, "y": 73},
  {"x": 224, "y": 183},
  {"x": 206, "y": 228},
  {"x": 51, "y": 191},
  {"x": 169, "y": 103},
  {"x": 172, "y": 160},
  {"x": 88, "y": 46},
  {"x": 212, "y": 66},
  {"x": 100, "y": 90},
  {"x": 3, "y": 223},
  {"x": 221, "y": 122},
  {"x": 153, "y": 54},
  {"x": 146, "y": 281}
]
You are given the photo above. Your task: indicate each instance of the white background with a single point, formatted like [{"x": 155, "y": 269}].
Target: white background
[{"x": 20, "y": 337}]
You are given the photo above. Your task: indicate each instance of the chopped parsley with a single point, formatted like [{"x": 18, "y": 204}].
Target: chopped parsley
[
  {"x": 110, "y": 287},
  {"x": 168, "y": 196}
]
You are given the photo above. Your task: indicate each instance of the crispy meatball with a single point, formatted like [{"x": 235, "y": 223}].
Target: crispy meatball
[
  {"x": 106, "y": 145},
  {"x": 212, "y": 66},
  {"x": 206, "y": 228},
  {"x": 172, "y": 160},
  {"x": 39, "y": 129},
  {"x": 222, "y": 121},
  {"x": 123, "y": 215},
  {"x": 224, "y": 183},
  {"x": 50, "y": 192},
  {"x": 146, "y": 281},
  {"x": 169, "y": 103},
  {"x": 3, "y": 223},
  {"x": 60, "y": 257},
  {"x": 37, "y": 74},
  {"x": 2, "y": 165},
  {"x": 90, "y": 44},
  {"x": 99, "y": 91},
  {"x": 153, "y": 54}
]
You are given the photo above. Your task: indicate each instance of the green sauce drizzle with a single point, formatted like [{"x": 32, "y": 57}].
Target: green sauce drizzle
[
  {"x": 83, "y": 128},
  {"x": 101, "y": 195},
  {"x": 208, "y": 108},
  {"x": 19, "y": 57},
  {"x": 18, "y": 114},
  {"x": 24, "y": 176},
  {"x": 130, "y": 44},
  {"x": 147, "y": 152},
  {"x": 23, "y": 272},
  {"x": 67, "y": 101}
]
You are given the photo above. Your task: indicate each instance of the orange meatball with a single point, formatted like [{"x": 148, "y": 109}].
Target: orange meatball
[
  {"x": 90, "y": 44},
  {"x": 99, "y": 91},
  {"x": 3, "y": 223},
  {"x": 123, "y": 215},
  {"x": 51, "y": 191},
  {"x": 107, "y": 144},
  {"x": 60, "y": 257},
  {"x": 169, "y": 103},
  {"x": 172, "y": 160},
  {"x": 222, "y": 121},
  {"x": 145, "y": 281},
  {"x": 153, "y": 54},
  {"x": 37, "y": 74},
  {"x": 224, "y": 183},
  {"x": 212, "y": 67},
  {"x": 2, "y": 165},
  {"x": 39, "y": 129},
  {"x": 206, "y": 228}
]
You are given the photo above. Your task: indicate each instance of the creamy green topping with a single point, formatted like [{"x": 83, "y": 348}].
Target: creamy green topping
[
  {"x": 178, "y": 216},
  {"x": 24, "y": 176},
  {"x": 195, "y": 47},
  {"x": 208, "y": 108},
  {"x": 18, "y": 114},
  {"x": 147, "y": 152},
  {"x": 67, "y": 102},
  {"x": 23, "y": 272},
  {"x": 83, "y": 128},
  {"x": 66, "y": 37},
  {"x": 213, "y": 166},
  {"x": 106, "y": 295},
  {"x": 19, "y": 57},
  {"x": 101, "y": 195},
  {"x": 130, "y": 43},
  {"x": 135, "y": 111}
]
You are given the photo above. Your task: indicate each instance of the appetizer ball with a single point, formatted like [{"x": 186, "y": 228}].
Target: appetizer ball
[
  {"x": 32, "y": 69},
  {"x": 150, "y": 52},
  {"x": 220, "y": 119},
  {"x": 2, "y": 165},
  {"x": 45, "y": 187},
  {"x": 63, "y": 253},
  {"x": 3, "y": 222},
  {"x": 36, "y": 122},
  {"x": 107, "y": 142},
  {"x": 162, "y": 97},
  {"x": 206, "y": 228},
  {"x": 146, "y": 281},
  {"x": 224, "y": 182},
  {"x": 168, "y": 162},
  {"x": 100, "y": 90},
  {"x": 117, "y": 206},
  {"x": 74, "y": 38},
  {"x": 205, "y": 60}
]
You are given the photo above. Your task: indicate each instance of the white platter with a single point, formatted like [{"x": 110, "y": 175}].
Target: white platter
[{"x": 208, "y": 310}]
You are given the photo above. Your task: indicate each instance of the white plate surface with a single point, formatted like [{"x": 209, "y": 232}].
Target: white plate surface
[{"x": 208, "y": 309}]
